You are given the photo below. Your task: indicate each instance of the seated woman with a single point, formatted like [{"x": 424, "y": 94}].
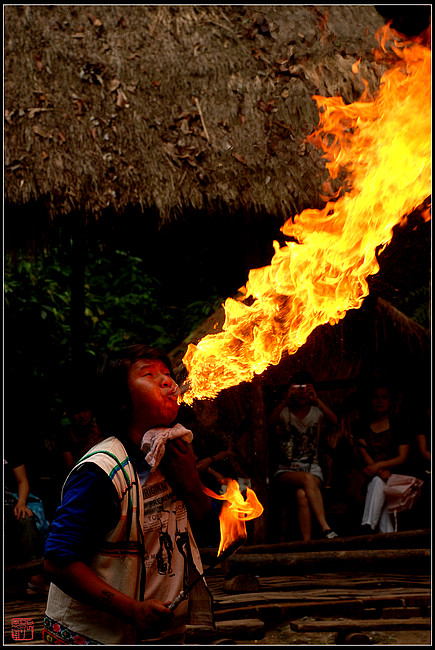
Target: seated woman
[
  {"x": 383, "y": 446},
  {"x": 299, "y": 420}
]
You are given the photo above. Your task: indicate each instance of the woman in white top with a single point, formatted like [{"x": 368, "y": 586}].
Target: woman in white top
[{"x": 299, "y": 419}]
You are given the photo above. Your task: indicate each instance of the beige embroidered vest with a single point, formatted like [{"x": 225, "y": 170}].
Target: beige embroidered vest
[
  {"x": 122, "y": 561},
  {"x": 118, "y": 561}
]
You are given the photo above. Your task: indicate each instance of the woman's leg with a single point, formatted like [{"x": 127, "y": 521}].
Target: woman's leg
[
  {"x": 374, "y": 503},
  {"x": 385, "y": 520},
  {"x": 311, "y": 485},
  {"x": 304, "y": 514}
]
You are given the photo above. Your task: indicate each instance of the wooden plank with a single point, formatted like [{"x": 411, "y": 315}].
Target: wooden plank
[
  {"x": 344, "y": 580},
  {"x": 249, "y": 628},
  {"x": 314, "y": 595},
  {"x": 349, "y": 608},
  {"x": 33, "y": 609},
  {"x": 25, "y": 566},
  {"x": 360, "y": 561},
  {"x": 284, "y": 598},
  {"x": 332, "y": 625}
]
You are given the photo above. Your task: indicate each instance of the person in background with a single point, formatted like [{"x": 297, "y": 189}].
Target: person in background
[
  {"x": 424, "y": 472},
  {"x": 23, "y": 530},
  {"x": 419, "y": 464},
  {"x": 423, "y": 441},
  {"x": 299, "y": 421},
  {"x": 221, "y": 466},
  {"x": 383, "y": 445},
  {"x": 82, "y": 434},
  {"x": 121, "y": 546}
]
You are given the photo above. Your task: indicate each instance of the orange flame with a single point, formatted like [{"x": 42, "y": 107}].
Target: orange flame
[
  {"x": 235, "y": 513},
  {"x": 384, "y": 146}
]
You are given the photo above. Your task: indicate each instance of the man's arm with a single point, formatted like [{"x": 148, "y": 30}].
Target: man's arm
[{"x": 80, "y": 582}]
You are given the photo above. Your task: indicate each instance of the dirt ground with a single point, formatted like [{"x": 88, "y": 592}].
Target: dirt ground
[{"x": 283, "y": 635}]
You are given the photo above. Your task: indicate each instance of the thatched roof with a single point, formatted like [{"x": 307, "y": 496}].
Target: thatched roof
[{"x": 175, "y": 107}]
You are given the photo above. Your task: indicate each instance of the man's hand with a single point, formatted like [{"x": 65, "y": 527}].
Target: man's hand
[
  {"x": 179, "y": 468},
  {"x": 150, "y": 617},
  {"x": 77, "y": 580},
  {"x": 179, "y": 465}
]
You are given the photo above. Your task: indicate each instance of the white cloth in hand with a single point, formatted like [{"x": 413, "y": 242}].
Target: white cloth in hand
[{"x": 154, "y": 442}]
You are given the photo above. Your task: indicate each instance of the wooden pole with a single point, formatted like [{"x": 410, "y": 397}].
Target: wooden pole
[
  {"x": 266, "y": 564},
  {"x": 406, "y": 539},
  {"x": 259, "y": 462},
  {"x": 78, "y": 267}
]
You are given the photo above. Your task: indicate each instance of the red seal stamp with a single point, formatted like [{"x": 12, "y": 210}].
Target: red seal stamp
[{"x": 22, "y": 629}]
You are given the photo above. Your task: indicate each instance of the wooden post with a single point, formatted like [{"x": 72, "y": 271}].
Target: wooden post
[
  {"x": 78, "y": 267},
  {"x": 259, "y": 461}
]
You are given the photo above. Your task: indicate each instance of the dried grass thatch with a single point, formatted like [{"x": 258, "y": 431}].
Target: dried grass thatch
[{"x": 175, "y": 107}]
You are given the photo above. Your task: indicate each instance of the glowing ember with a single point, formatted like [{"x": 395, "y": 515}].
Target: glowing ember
[
  {"x": 235, "y": 512},
  {"x": 384, "y": 146}
]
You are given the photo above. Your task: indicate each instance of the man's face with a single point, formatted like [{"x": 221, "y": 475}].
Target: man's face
[{"x": 153, "y": 393}]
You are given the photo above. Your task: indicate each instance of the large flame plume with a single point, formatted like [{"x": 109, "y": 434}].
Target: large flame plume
[
  {"x": 384, "y": 147},
  {"x": 234, "y": 513}
]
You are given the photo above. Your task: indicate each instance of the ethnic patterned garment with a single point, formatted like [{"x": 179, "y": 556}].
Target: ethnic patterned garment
[{"x": 55, "y": 633}]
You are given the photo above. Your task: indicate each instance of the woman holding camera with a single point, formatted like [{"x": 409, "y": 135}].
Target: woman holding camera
[{"x": 299, "y": 420}]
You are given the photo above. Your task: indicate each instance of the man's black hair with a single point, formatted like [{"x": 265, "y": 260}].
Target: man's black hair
[{"x": 112, "y": 395}]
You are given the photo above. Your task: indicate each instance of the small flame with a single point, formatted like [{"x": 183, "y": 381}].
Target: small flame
[
  {"x": 235, "y": 512},
  {"x": 384, "y": 146}
]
